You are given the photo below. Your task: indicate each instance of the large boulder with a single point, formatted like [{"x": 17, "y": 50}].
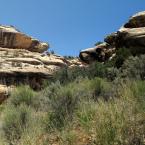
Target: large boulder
[
  {"x": 136, "y": 21},
  {"x": 10, "y": 37},
  {"x": 131, "y": 36},
  {"x": 100, "y": 53}
]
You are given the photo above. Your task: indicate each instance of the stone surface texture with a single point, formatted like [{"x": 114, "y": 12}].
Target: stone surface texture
[
  {"x": 23, "y": 60},
  {"x": 131, "y": 36}
]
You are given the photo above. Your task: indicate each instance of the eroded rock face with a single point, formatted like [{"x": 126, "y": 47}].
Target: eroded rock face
[
  {"x": 20, "y": 66},
  {"x": 10, "y": 37},
  {"x": 100, "y": 53},
  {"x": 22, "y": 61},
  {"x": 136, "y": 21},
  {"x": 131, "y": 36}
]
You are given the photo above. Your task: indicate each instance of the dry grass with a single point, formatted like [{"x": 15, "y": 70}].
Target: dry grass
[{"x": 69, "y": 114}]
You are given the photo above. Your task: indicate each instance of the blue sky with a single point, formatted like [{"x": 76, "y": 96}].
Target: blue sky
[{"x": 68, "y": 25}]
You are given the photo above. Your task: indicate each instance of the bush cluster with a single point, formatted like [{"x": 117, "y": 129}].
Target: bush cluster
[{"x": 102, "y": 104}]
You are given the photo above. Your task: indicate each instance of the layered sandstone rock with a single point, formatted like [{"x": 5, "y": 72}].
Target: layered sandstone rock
[
  {"x": 131, "y": 36},
  {"x": 20, "y": 66},
  {"x": 22, "y": 63},
  {"x": 76, "y": 62},
  {"x": 100, "y": 53},
  {"x": 10, "y": 37},
  {"x": 136, "y": 21}
]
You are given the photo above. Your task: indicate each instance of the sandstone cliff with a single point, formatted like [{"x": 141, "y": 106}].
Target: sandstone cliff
[
  {"x": 131, "y": 36},
  {"x": 23, "y": 60}
]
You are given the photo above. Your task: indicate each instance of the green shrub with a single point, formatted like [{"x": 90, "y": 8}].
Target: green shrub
[
  {"x": 86, "y": 112},
  {"x": 63, "y": 103},
  {"x": 138, "y": 89},
  {"x": 68, "y": 75},
  {"x": 95, "y": 104},
  {"x": 69, "y": 57},
  {"x": 15, "y": 121},
  {"x": 63, "y": 100},
  {"x": 133, "y": 68},
  {"x": 121, "y": 55},
  {"x": 22, "y": 94},
  {"x": 97, "y": 69},
  {"x": 118, "y": 124},
  {"x": 113, "y": 122},
  {"x": 98, "y": 43},
  {"x": 100, "y": 88}
]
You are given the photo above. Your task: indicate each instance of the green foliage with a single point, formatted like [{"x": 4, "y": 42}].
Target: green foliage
[
  {"x": 23, "y": 94},
  {"x": 63, "y": 102},
  {"x": 97, "y": 69},
  {"x": 14, "y": 123},
  {"x": 98, "y": 43},
  {"x": 69, "y": 57},
  {"x": 138, "y": 89},
  {"x": 67, "y": 75},
  {"x": 96, "y": 105},
  {"x": 95, "y": 88},
  {"x": 133, "y": 68},
  {"x": 80, "y": 109},
  {"x": 52, "y": 52},
  {"x": 137, "y": 51},
  {"x": 121, "y": 55},
  {"x": 117, "y": 121}
]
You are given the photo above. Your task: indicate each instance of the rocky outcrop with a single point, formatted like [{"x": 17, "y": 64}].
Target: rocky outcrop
[
  {"x": 20, "y": 66},
  {"x": 131, "y": 36},
  {"x": 22, "y": 63},
  {"x": 136, "y": 21},
  {"x": 10, "y": 37},
  {"x": 76, "y": 62},
  {"x": 100, "y": 53}
]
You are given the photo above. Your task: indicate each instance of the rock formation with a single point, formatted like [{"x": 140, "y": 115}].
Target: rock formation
[
  {"x": 10, "y": 37},
  {"x": 22, "y": 63},
  {"x": 131, "y": 36},
  {"x": 100, "y": 53}
]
